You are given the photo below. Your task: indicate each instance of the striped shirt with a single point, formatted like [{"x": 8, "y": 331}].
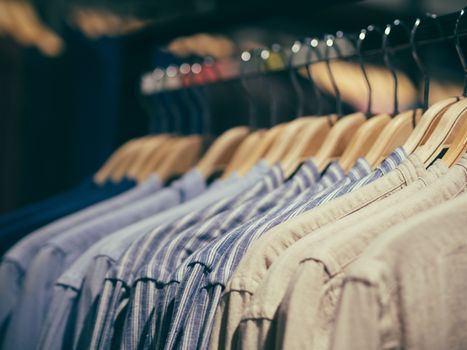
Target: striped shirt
[
  {"x": 162, "y": 315},
  {"x": 155, "y": 274},
  {"x": 204, "y": 275},
  {"x": 119, "y": 279}
]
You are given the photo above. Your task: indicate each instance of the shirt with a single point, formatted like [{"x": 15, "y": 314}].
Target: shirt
[
  {"x": 20, "y": 214},
  {"x": 13, "y": 233},
  {"x": 267, "y": 249},
  {"x": 333, "y": 254},
  {"x": 166, "y": 289},
  {"x": 157, "y": 271},
  {"x": 324, "y": 255},
  {"x": 61, "y": 251},
  {"x": 16, "y": 261},
  {"x": 91, "y": 269},
  {"x": 408, "y": 289},
  {"x": 121, "y": 277},
  {"x": 206, "y": 273}
]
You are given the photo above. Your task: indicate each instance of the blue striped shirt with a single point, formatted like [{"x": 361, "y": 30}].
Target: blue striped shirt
[
  {"x": 204, "y": 275},
  {"x": 120, "y": 278},
  {"x": 156, "y": 272},
  {"x": 160, "y": 316}
]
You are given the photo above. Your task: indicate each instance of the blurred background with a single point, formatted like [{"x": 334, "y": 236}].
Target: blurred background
[{"x": 72, "y": 73}]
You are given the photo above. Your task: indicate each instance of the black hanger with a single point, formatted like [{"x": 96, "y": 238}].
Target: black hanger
[
  {"x": 416, "y": 57},
  {"x": 459, "y": 48}
]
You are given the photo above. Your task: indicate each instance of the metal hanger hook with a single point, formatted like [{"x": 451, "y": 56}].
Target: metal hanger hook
[
  {"x": 362, "y": 36},
  {"x": 294, "y": 50},
  {"x": 312, "y": 45},
  {"x": 459, "y": 47},
  {"x": 416, "y": 57},
  {"x": 387, "y": 32},
  {"x": 246, "y": 57},
  {"x": 330, "y": 42}
]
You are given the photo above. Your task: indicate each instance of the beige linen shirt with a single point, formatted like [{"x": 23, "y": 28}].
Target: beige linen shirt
[
  {"x": 266, "y": 250},
  {"x": 324, "y": 255},
  {"x": 408, "y": 291},
  {"x": 340, "y": 250}
]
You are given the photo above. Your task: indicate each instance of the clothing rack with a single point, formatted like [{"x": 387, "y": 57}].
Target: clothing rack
[{"x": 254, "y": 63}]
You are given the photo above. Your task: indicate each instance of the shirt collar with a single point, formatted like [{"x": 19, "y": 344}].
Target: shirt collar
[
  {"x": 308, "y": 173},
  {"x": 333, "y": 173},
  {"x": 359, "y": 170},
  {"x": 190, "y": 185},
  {"x": 393, "y": 160}
]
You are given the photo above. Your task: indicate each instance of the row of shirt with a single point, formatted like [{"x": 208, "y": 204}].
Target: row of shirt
[{"x": 368, "y": 259}]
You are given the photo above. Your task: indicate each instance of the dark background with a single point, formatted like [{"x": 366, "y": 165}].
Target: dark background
[{"x": 60, "y": 118}]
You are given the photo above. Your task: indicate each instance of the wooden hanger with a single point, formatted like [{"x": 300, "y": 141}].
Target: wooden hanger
[
  {"x": 427, "y": 124},
  {"x": 242, "y": 152},
  {"x": 320, "y": 140},
  {"x": 444, "y": 133},
  {"x": 364, "y": 138},
  {"x": 433, "y": 114},
  {"x": 182, "y": 158},
  {"x": 339, "y": 137},
  {"x": 286, "y": 139},
  {"x": 103, "y": 174},
  {"x": 308, "y": 141},
  {"x": 153, "y": 145},
  {"x": 130, "y": 155},
  {"x": 458, "y": 146},
  {"x": 394, "y": 134},
  {"x": 222, "y": 151},
  {"x": 258, "y": 150},
  {"x": 157, "y": 158},
  {"x": 397, "y": 132}
]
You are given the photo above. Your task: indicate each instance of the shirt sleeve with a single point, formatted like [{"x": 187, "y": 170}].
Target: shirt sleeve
[
  {"x": 228, "y": 316},
  {"x": 89, "y": 294},
  {"x": 10, "y": 276},
  {"x": 33, "y": 302},
  {"x": 299, "y": 309},
  {"x": 357, "y": 320},
  {"x": 55, "y": 333}
]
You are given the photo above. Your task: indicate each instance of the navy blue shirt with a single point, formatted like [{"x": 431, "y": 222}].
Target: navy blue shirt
[{"x": 76, "y": 200}]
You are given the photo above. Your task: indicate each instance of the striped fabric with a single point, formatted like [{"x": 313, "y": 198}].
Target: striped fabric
[
  {"x": 156, "y": 273},
  {"x": 162, "y": 315},
  {"x": 202, "y": 278},
  {"x": 115, "y": 293}
]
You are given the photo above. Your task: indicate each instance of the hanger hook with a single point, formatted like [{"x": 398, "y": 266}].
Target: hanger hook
[
  {"x": 171, "y": 73},
  {"x": 459, "y": 48},
  {"x": 362, "y": 36},
  {"x": 312, "y": 44},
  {"x": 265, "y": 55},
  {"x": 294, "y": 50},
  {"x": 416, "y": 56},
  {"x": 386, "y": 51},
  {"x": 246, "y": 57},
  {"x": 331, "y": 44}
]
